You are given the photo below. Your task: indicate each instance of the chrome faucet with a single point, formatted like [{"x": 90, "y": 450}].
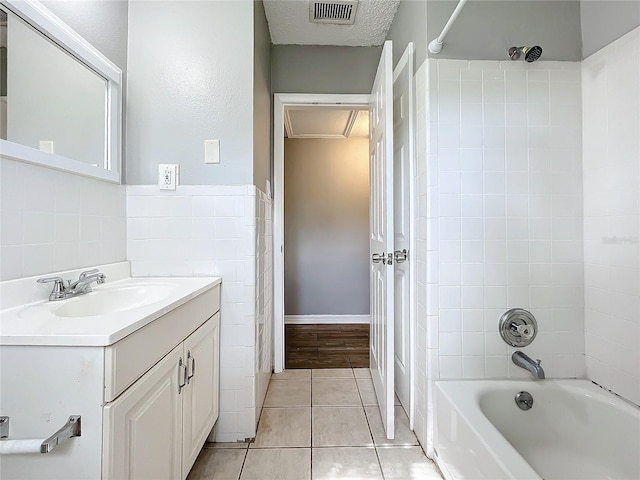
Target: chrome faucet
[
  {"x": 525, "y": 361},
  {"x": 79, "y": 287}
]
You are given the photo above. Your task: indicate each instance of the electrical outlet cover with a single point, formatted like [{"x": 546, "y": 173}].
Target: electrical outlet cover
[{"x": 167, "y": 176}]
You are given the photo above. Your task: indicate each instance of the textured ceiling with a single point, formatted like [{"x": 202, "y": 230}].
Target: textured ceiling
[{"x": 289, "y": 24}]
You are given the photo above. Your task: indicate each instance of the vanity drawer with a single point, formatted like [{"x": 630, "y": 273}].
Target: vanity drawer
[{"x": 128, "y": 359}]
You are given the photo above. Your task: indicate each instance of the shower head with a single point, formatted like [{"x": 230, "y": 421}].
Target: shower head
[{"x": 531, "y": 54}]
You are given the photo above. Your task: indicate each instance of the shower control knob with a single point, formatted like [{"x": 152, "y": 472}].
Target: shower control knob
[
  {"x": 525, "y": 331},
  {"x": 518, "y": 327}
]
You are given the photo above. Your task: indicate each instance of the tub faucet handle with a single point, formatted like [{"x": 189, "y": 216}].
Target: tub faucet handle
[{"x": 524, "y": 330}]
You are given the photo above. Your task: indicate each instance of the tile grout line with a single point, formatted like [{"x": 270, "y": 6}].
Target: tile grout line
[
  {"x": 244, "y": 460},
  {"x": 375, "y": 447}
]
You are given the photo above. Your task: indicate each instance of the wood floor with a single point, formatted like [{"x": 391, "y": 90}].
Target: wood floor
[{"x": 327, "y": 346}]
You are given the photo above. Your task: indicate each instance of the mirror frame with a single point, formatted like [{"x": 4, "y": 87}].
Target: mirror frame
[{"x": 43, "y": 20}]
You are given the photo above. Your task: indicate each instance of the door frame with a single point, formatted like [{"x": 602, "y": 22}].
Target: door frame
[
  {"x": 407, "y": 59},
  {"x": 281, "y": 101}
]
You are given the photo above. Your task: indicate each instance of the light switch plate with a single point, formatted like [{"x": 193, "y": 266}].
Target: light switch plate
[
  {"x": 167, "y": 176},
  {"x": 212, "y": 151}
]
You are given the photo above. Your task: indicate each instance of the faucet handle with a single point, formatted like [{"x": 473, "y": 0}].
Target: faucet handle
[
  {"x": 88, "y": 272},
  {"x": 59, "y": 288},
  {"x": 58, "y": 280}
]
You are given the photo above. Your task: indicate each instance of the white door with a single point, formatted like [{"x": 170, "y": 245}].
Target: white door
[
  {"x": 200, "y": 402},
  {"x": 143, "y": 427},
  {"x": 402, "y": 178},
  {"x": 381, "y": 237}
]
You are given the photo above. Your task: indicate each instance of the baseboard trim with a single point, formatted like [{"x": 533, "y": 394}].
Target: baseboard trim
[{"x": 325, "y": 319}]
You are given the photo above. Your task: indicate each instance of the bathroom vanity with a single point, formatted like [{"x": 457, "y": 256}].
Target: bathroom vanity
[{"x": 136, "y": 359}]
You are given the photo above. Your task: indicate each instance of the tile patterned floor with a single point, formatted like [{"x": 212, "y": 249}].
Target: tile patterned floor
[{"x": 321, "y": 424}]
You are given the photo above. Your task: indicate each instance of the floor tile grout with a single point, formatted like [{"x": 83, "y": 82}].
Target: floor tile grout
[
  {"x": 311, "y": 445},
  {"x": 373, "y": 440}
]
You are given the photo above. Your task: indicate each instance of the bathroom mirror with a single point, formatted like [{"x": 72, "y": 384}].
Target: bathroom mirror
[{"x": 60, "y": 97}]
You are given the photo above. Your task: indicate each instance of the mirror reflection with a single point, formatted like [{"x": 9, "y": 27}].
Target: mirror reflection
[{"x": 50, "y": 101}]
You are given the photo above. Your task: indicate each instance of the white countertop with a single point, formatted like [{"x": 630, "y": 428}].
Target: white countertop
[{"x": 35, "y": 323}]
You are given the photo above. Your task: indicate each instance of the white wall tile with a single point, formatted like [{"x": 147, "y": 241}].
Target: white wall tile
[
  {"x": 610, "y": 92},
  {"x": 517, "y": 153},
  {"x": 41, "y": 216},
  {"x": 210, "y": 231}
]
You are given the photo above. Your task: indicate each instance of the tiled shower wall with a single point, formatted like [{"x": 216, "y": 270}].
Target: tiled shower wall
[
  {"x": 201, "y": 231},
  {"x": 508, "y": 203},
  {"x": 611, "y": 139},
  {"x": 53, "y": 221}
]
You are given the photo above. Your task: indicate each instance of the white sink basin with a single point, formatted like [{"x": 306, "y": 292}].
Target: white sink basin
[
  {"x": 112, "y": 300},
  {"x": 113, "y": 310},
  {"x": 104, "y": 300}
]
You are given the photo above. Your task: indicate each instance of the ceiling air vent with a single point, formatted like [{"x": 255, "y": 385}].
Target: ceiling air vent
[{"x": 339, "y": 13}]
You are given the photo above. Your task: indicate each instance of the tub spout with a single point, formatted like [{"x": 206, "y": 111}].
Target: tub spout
[{"x": 525, "y": 361}]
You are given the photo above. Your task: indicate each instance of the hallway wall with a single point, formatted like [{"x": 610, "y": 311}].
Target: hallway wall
[{"x": 326, "y": 212}]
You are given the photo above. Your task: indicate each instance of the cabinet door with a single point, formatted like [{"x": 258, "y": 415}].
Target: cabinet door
[
  {"x": 200, "y": 402},
  {"x": 143, "y": 427}
]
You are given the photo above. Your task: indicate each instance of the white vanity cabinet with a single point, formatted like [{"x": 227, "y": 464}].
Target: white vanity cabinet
[
  {"x": 143, "y": 427},
  {"x": 145, "y": 383},
  {"x": 156, "y": 428}
]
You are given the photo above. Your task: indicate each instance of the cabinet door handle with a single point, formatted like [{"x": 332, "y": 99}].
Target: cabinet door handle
[
  {"x": 182, "y": 375},
  {"x": 191, "y": 365}
]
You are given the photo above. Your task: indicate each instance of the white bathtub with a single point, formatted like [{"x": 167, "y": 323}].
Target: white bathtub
[{"x": 575, "y": 430}]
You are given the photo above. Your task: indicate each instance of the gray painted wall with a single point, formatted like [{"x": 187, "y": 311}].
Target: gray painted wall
[
  {"x": 606, "y": 21},
  {"x": 326, "y": 210},
  {"x": 262, "y": 98},
  {"x": 190, "y": 79},
  {"x": 323, "y": 69},
  {"x": 409, "y": 25},
  {"x": 486, "y": 29}
]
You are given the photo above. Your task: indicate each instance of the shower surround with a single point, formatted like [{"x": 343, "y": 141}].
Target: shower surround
[
  {"x": 611, "y": 122},
  {"x": 502, "y": 209},
  {"x": 529, "y": 198},
  {"x": 507, "y": 137}
]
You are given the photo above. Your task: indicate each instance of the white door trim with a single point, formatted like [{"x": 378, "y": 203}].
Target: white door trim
[
  {"x": 280, "y": 103},
  {"x": 405, "y": 61}
]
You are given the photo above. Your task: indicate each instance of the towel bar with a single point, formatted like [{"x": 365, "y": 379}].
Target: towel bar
[{"x": 69, "y": 430}]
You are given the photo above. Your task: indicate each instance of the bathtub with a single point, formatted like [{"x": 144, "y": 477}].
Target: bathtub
[{"x": 575, "y": 430}]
